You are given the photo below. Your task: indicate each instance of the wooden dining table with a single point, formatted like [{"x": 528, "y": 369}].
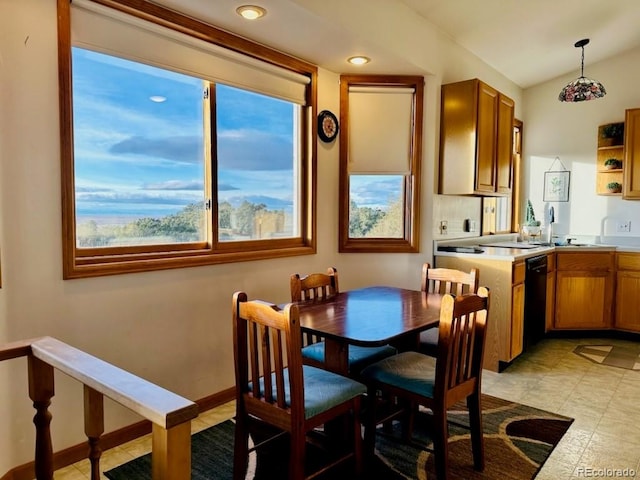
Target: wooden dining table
[{"x": 369, "y": 317}]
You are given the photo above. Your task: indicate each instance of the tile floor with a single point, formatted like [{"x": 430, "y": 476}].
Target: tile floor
[{"x": 602, "y": 442}]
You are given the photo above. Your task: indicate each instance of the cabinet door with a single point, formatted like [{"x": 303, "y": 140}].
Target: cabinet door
[
  {"x": 583, "y": 299},
  {"x": 631, "y": 174},
  {"x": 628, "y": 301},
  {"x": 517, "y": 320},
  {"x": 504, "y": 147},
  {"x": 487, "y": 140},
  {"x": 551, "y": 301}
]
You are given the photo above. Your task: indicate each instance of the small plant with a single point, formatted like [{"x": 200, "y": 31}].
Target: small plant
[
  {"x": 613, "y": 163},
  {"x": 530, "y": 216},
  {"x": 614, "y": 187},
  {"x": 613, "y": 130}
]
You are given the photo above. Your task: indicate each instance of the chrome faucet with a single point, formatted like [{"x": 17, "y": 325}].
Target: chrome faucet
[{"x": 552, "y": 219}]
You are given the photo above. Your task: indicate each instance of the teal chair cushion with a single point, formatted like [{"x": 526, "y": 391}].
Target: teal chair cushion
[
  {"x": 359, "y": 357},
  {"x": 411, "y": 371},
  {"x": 429, "y": 341},
  {"x": 322, "y": 389}
]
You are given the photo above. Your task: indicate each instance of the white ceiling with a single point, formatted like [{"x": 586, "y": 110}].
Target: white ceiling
[{"x": 528, "y": 41}]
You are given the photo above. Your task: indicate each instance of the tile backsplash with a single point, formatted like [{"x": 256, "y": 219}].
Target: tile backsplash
[{"x": 455, "y": 210}]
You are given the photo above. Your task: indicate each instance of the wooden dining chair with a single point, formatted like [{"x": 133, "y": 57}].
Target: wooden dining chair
[
  {"x": 274, "y": 386},
  {"x": 437, "y": 383},
  {"x": 444, "y": 280},
  {"x": 319, "y": 286}
]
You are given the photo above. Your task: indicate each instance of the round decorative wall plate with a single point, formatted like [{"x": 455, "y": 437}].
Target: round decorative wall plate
[{"x": 327, "y": 126}]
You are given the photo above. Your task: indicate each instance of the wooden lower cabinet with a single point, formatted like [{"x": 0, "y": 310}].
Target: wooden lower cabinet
[
  {"x": 584, "y": 290},
  {"x": 516, "y": 345},
  {"x": 551, "y": 292},
  {"x": 505, "y": 324},
  {"x": 627, "y": 306}
]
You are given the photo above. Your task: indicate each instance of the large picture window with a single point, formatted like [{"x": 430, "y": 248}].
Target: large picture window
[
  {"x": 176, "y": 151},
  {"x": 380, "y": 152}
]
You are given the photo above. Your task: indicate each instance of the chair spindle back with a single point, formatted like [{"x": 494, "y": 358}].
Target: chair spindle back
[
  {"x": 461, "y": 341},
  {"x": 315, "y": 286},
  {"x": 448, "y": 280},
  {"x": 266, "y": 342}
]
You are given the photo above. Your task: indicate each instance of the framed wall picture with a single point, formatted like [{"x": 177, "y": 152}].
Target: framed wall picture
[{"x": 556, "y": 186}]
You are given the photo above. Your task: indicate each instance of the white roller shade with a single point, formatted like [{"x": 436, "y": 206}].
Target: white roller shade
[
  {"x": 380, "y": 129},
  {"x": 109, "y": 31}
]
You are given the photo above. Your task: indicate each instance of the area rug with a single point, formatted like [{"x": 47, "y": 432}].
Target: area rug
[
  {"x": 518, "y": 440},
  {"x": 612, "y": 355}
]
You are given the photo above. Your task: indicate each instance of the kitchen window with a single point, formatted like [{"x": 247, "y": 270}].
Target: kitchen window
[
  {"x": 380, "y": 156},
  {"x": 178, "y": 152}
]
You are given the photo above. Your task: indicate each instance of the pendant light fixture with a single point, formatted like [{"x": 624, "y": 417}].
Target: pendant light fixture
[{"x": 582, "y": 88}]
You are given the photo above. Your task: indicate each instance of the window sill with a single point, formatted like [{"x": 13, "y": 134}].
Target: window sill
[{"x": 98, "y": 266}]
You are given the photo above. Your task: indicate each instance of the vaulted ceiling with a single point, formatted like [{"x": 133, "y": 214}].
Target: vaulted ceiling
[{"x": 529, "y": 42}]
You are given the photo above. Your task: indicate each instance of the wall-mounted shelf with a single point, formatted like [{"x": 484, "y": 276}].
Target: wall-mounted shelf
[{"x": 608, "y": 150}]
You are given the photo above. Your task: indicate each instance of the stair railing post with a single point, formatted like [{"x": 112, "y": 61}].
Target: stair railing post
[
  {"x": 171, "y": 447},
  {"x": 41, "y": 390},
  {"x": 94, "y": 427}
]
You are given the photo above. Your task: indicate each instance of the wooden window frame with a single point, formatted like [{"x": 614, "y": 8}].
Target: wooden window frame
[
  {"x": 516, "y": 213},
  {"x": 410, "y": 241},
  {"x": 85, "y": 262}
]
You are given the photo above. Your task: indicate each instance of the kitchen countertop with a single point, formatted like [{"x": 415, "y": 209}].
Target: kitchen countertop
[{"x": 500, "y": 251}]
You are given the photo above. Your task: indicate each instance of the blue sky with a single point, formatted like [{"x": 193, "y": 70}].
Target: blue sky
[
  {"x": 375, "y": 190},
  {"x": 135, "y": 156}
]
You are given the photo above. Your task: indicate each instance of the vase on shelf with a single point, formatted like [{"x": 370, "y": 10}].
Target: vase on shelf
[{"x": 531, "y": 233}]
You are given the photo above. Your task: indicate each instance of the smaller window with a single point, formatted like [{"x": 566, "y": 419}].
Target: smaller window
[
  {"x": 376, "y": 206},
  {"x": 380, "y": 156}
]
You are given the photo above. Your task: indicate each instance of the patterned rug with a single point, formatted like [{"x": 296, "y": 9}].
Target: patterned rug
[
  {"x": 518, "y": 440},
  {"x": 613, "y": 355}
]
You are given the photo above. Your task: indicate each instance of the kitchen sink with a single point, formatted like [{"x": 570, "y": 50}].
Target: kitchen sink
[
  {"x": 460, "y": 249},
  {"x": 578, "y": 245}
]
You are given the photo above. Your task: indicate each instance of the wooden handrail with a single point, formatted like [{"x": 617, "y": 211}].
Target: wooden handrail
[
  {"x": 170, "y": 414},
  {"x": 156, "y": 404},
  {"x": 17, "y": 349}
]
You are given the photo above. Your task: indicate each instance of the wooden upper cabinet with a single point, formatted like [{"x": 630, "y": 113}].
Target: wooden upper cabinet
[
  {"x": 476, "y": 140},
  {"x": 504, "y": 153},
  {"x": 631, "y": 175},
  {"x": 487, "y": 132}
]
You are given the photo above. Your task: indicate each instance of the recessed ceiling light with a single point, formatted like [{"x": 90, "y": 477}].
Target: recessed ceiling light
[
  {"x": 157, "y": 98},
  {"x": 358, "y": 60},
  {"x": 251, "y": 12}
]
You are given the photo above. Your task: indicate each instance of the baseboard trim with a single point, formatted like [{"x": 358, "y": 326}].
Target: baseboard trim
[
  {"x": 74, "y": 454},
  {"x": 217, "y": 399}
]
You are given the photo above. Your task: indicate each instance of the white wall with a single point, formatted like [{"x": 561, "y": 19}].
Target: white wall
[
  {"x": 171, "y": 327},
  {"x": 569, "y": 131}
]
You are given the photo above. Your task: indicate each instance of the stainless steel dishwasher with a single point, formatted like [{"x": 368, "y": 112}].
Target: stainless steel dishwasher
[{"x": 535, "y": 299}]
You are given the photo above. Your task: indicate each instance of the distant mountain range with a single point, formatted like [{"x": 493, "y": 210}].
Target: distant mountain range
[
  {"x": 272, "y": 203},
  {"x": 124, "y": 212}
]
